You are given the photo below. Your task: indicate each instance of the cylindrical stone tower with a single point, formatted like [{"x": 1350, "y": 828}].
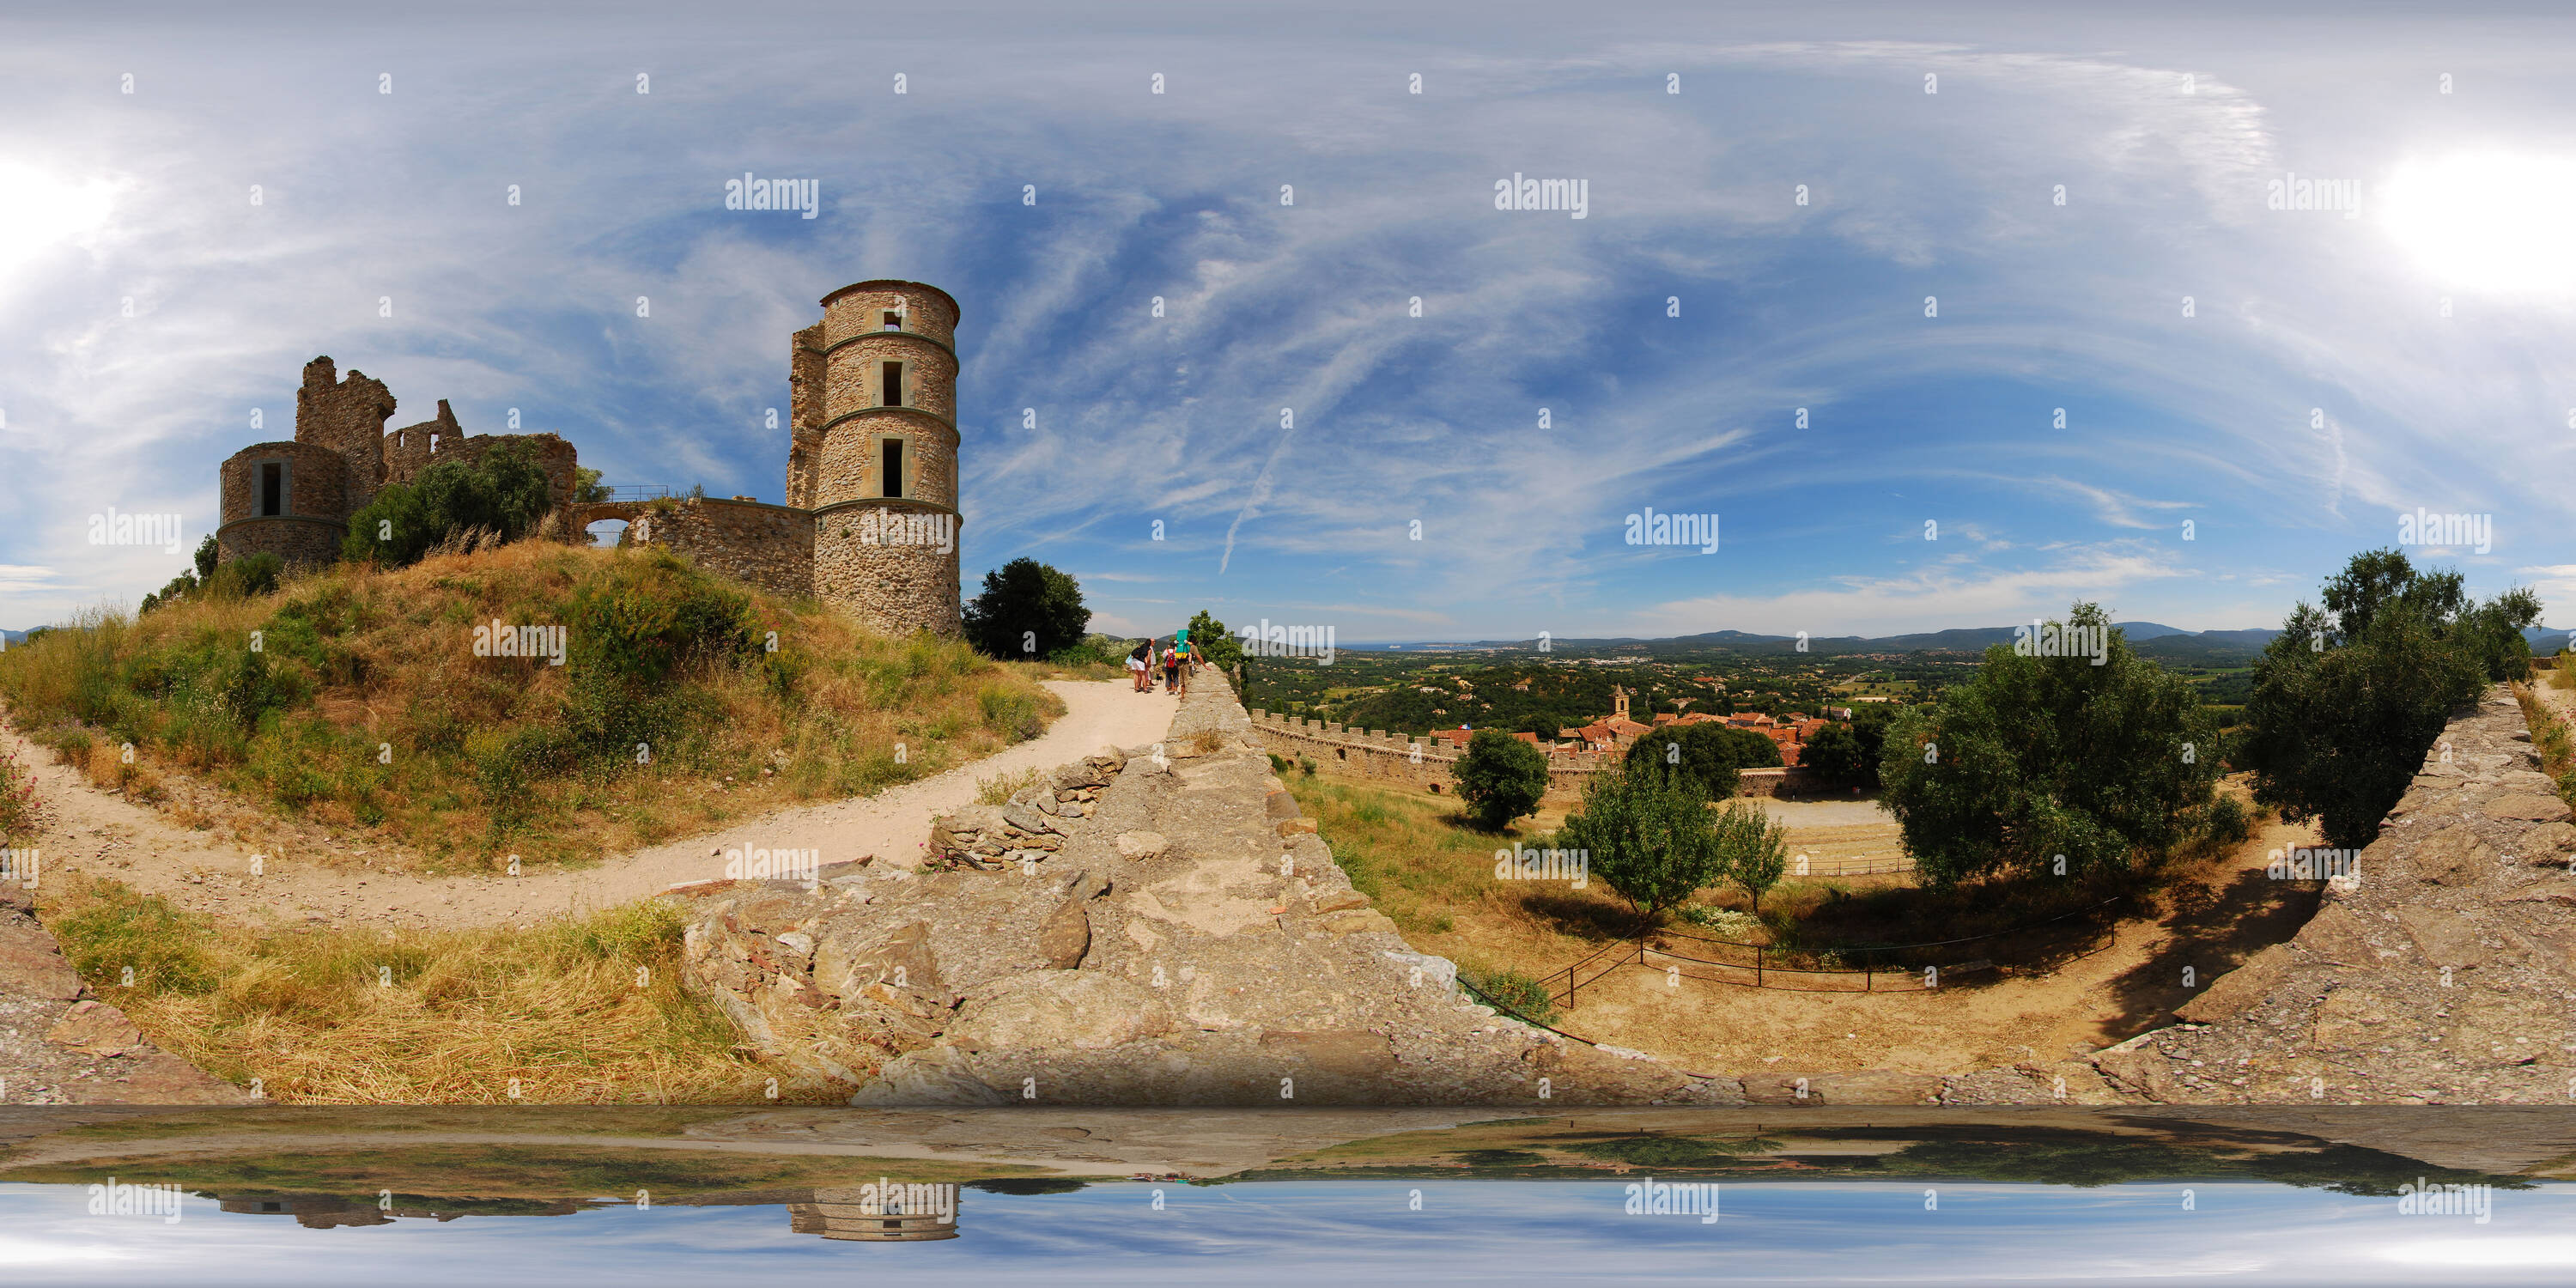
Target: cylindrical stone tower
[
  {"x": 287, "y": 499},
  {"x": 881, "y": 466}
]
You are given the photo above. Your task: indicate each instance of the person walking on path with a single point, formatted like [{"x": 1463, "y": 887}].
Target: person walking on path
[{"x": 1136, "y": 664}]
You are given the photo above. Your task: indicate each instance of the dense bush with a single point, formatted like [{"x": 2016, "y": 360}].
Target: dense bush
[
  {"x": 502, "y": 492},
  {"x": 2046, "y": 758},
  {"x": 1027, "y": 610},
  {"x": 1514, "y": 992},
  {"x": 247, "y": 576},
  {"x": 1500, "y": 778},
  {"x": 2347, "y": 699}
]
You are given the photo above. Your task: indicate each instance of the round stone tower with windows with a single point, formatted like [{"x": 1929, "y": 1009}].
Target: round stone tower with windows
[{"x": 873, "y": 453}]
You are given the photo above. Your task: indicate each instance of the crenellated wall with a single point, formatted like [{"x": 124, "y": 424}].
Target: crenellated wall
[{"x": 1375, "y": 754}]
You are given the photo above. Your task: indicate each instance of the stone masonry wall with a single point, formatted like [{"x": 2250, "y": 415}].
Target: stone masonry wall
[
  {"x": 309, "y": 531},
  {"x": 896, "y": 589},
  {"x": 769, "y": 546},
  {"x": 1389, "y": 758},
  {"x": 1148, "y": 926},
  {"x": 347, "y": 417}
]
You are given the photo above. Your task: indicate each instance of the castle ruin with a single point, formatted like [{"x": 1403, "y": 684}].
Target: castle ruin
[
  {"x": 293, "y": 499},
  {"x": 870, "y": 526}
]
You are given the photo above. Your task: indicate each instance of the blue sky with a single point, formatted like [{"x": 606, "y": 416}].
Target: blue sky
[
  {"x": 1369, "y": 1232},
  {"x": 2316, "y": 390}
]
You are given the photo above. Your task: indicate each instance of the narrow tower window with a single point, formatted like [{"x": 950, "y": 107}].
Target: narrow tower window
[
  {"x": 272, "y": 489},
  {"x": 893, "y": 390},
  {"x": 893, "y": 320},
  {"x": 894, "y": 467}
]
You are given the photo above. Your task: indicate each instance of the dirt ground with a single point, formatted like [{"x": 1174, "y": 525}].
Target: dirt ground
[
  {"x": 2210, "y": 922},
  {"x": 311, "y": 877}
]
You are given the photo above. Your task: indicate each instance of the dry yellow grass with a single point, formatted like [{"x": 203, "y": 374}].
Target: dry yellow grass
[
  {"x": 367, "y": 709},
  {"x": 584, "y": 1010}
]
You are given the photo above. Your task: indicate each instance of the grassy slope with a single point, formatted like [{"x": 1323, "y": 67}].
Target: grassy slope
[{"x": 366, "y": 707}]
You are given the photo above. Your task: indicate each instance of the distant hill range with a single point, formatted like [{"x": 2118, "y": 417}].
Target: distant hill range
[{"x": 2148, "y": 639}]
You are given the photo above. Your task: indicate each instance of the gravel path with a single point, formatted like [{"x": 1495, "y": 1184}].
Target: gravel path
[{"x": 102, "y": 834}]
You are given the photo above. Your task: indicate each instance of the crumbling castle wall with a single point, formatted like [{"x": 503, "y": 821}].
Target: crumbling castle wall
[
  {"x": 1378, "y": 756},
  {"x": 347, "y": 417},
  {"x": 769, "y": 546}
]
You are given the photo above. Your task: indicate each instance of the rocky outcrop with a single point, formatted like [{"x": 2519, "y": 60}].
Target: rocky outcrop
[
  {"x": 1148, "y": 926},
  {"x": 59, "y": 1045}
]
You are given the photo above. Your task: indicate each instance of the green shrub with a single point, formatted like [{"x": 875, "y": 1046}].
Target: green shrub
[
  {"x": 1705, "y": 757},
  {"x": 121, "y": 928},
  {"x": 644, "y": 616},
  {"x": 1514, "y": 992},
  {"x": 1649, "y": 837},
  {"x": 247, "y": 576},
  {"x": 502, "y": 491}
]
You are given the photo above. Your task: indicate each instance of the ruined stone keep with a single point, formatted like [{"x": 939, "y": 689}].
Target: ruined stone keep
[
  {"x": 293, "y": 499},
  {"x": 870, "y": 526}
]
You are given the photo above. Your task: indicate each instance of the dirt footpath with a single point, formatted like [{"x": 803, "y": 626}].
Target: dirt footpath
[{"x": 98, "y": 833}]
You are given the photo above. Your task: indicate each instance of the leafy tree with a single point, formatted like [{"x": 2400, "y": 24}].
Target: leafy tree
[
  {"x": 1752, "y": 750},
  {"x": 1500, "y": 777},
  {"x": 208, "y": 552},
  {"x": 1648, "y": 836},
  {"x": 1028, "y": 610},
  {"x": 1752, "y": 851},
  {"x": 1209, "y": 640},
  {"x": 1703, "y": 756},
  {"x": 501, "y": 491},
  {"x": 1836, "y": 753},
  {"x": 2346, "y": 700},
  {"x": 2042, "y": 757},
  {"x": 586, "y": 486}
]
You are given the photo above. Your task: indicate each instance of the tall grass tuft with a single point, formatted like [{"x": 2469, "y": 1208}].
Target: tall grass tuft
[{"x": 577, "y": 1010}]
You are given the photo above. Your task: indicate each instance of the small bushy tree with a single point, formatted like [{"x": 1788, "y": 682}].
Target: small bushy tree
[
  {"x": 1500, "y": 777},
  {"x": 1648, "y": 835},
  {"x": 1752, "y": 851},
  {"x": 1028, "y": 610}
]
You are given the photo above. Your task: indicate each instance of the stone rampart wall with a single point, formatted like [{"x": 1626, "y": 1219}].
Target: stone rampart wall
[
  {"x": 769, "y": 546},
  {"x": 1376, "y": 755}
]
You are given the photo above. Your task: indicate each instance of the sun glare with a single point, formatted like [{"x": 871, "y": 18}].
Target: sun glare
[
  {"x": 39, "y": 210},
  {"x": 2487, "y": 221}
]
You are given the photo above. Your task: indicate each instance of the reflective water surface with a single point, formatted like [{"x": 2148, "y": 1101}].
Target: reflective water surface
[{"x": 1821, "y": 1195}]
